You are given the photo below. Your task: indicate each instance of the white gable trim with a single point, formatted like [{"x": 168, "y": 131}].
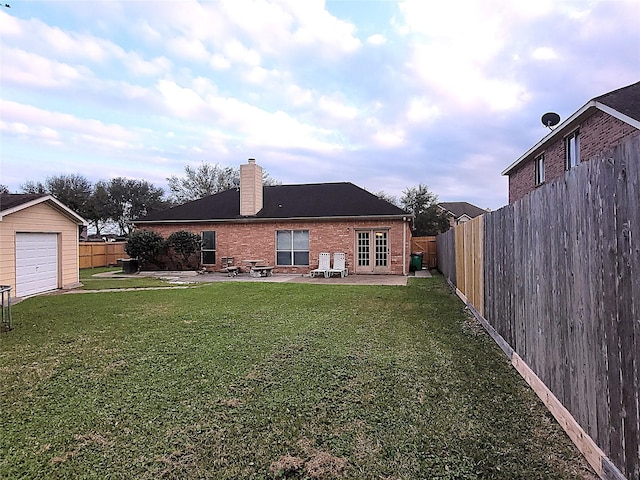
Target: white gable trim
[
  {"x": 56, "y": 204},
  {"x": 620, "y": 116},
  {"x": 570, "y": 123}
]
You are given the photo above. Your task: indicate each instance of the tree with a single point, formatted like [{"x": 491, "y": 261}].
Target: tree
[
  {"x": 186, "y": 245},
  {"x": 145, "y": 245},
  {"x": 73, "y": 190},
  {"x": 423, "y": 204},
  {"x": 205, "y": 180},
  {"x": 130, "y": 199},
  {"x": 33, "y": 187},
  {"x": 202, "y": 181},
  {"x": 388, "y": 198},
  {"x": 97, "y": 209},
  {"x": 4, "y": 189}
]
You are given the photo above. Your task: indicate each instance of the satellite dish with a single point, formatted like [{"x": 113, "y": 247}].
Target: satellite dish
[{"x": 550, "y": 119}]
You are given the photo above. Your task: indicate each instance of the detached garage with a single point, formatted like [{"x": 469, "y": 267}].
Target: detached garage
[{"x": 38, "y": 244}]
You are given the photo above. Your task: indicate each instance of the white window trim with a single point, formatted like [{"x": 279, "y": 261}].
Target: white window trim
[
  {"x": 568, "y": 157},
  {"x": 539, "y": 174}
]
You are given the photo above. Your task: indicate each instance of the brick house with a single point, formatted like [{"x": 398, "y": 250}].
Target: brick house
[
  {"x": 287, "y": 226},
  {"x": 601, "y": 124},
  {"x": 460, "y": 212}
]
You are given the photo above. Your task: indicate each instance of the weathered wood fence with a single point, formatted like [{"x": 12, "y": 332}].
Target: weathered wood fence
[
  {"x": 426, "y": 246},
  {"x": 101, "y": 254},
  {"x": 555, "y": 278}
]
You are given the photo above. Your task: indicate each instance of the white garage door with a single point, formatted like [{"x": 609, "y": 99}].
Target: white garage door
[{"x": 36, "y": 263}]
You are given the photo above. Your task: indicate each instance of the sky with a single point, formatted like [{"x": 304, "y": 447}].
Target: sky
[{"x": 384, "y": 94}]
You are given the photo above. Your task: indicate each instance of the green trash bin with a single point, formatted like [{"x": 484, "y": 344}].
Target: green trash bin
[{"x": 416, "y": 262}]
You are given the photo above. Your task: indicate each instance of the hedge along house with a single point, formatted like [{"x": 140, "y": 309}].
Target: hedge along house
[
  {"x": 38, "y": 244},
  {"x": 287, "y": 226},
  {"x": 601, "y": 124}
]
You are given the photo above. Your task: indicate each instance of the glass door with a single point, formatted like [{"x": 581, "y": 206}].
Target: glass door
[{"x": 372, "y": 247}]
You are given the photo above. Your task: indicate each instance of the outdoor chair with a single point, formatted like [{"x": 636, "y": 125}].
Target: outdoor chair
[
  {"x": 339, "y": 265},
  {"x": 324, "y": 265}
]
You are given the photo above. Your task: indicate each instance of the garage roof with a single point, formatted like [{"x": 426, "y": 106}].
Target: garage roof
[{"x": 14, "y": 202}]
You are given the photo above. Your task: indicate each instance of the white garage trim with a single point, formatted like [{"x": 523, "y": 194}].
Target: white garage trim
[{"x": 37, "y": 263}]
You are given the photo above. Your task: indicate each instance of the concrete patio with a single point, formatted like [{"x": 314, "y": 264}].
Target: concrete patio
[{"x": 187, "y": 277}]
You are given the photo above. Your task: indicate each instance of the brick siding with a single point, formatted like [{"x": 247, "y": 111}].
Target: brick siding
[
  {"x": 257, "y": 240},
  {"x": 598, "y": 133}
]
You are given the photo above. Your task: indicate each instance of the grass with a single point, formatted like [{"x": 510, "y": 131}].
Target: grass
[
  {"x": 268, "y": 380},
  {"x": 92, "y": 282}
]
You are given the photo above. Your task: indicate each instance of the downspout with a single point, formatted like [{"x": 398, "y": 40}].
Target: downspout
[{"x": 404, "y": 246}]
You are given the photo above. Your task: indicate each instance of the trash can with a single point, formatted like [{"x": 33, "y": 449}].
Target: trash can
[
  {"x": 129, "y": 265},
  {"x": 416, "y": 262}
]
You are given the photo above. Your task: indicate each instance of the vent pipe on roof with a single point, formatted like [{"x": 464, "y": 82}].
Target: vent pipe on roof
[{"x": 250, "y": 188}]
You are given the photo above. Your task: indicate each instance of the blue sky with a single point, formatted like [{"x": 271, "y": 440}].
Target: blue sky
[{"x": 384, "y": 94}]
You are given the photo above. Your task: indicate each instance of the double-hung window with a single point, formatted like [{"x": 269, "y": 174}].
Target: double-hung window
[
  {"x": 208, "y": 249},
  {"x": 539, "y": 169},
  {"x": 572, "y": 150},
  {"x": 292, "y": 247}
]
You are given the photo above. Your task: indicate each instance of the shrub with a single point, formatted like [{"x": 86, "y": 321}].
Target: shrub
[
  {"x": 145, "y": 245},
  {"x": 185, "y": 245}
]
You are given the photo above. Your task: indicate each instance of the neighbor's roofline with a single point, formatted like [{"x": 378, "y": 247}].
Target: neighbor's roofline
[
  {"x": 275, "y": 219},
  {"x": 57, "y": 204},
  {"x": 568, "y": 124}
]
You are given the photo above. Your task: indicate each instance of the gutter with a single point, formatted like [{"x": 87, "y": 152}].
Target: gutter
[{"x": 273, "y": 219}]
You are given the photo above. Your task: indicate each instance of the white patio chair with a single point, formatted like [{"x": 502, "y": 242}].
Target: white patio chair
[
  {"x": 339, "y": 265},
  {"x": 324, "y": 265}
]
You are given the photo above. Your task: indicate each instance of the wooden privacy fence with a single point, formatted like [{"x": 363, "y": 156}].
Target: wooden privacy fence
[
  {"x": 101, "y": 254},
  {"x": 555, "y": 279},
  {"x": 426, "y": 246}
]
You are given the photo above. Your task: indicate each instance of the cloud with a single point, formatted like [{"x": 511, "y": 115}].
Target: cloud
[
  {"x": 28, "y": 68},
  {"x": 544, "y": 53},
  {"x": 376, "y": 39},
  {"x": 36, "y": 124}
]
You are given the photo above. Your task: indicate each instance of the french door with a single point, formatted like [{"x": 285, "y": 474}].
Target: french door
[{"x": 372, "y": 247}]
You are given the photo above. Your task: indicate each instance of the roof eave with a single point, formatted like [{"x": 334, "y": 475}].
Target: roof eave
[
  {"x": 568, "y": 124},
  {"x": 275, "y": 219},
  {"x": 619, "y": 115},
  {"x": 55, "y": 203}
]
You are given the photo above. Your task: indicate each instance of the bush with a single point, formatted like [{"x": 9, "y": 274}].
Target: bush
[
  {"x": 145, "y": 245},
  {"x": 186, "y": 245}
]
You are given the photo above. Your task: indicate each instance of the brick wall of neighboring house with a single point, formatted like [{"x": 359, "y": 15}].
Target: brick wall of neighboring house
[
  {"x": 598, "y": 133},
  {"x": 257, "y": 240}
]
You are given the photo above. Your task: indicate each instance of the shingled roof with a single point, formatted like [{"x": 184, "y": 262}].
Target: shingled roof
[
  {"x": 9, "y": 201},
  {"x": 14, "y": 202},
  {"x": 625, "y": 100},
  {"x": 458, "y": 209},
  {"x": 318, "y": 200}
]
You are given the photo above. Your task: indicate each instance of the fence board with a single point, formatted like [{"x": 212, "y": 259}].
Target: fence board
[
  {"x": 100, "y": 254},
  {"x": 560, "y": 287},
  {"x": 428, "y": 247}
]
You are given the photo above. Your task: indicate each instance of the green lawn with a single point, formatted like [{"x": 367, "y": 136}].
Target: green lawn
[
  {"x": 267, "y": 380},
  {"x": 90, "y": 281}
]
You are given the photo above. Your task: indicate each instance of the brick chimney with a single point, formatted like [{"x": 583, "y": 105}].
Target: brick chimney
[{"x": 250, "y": 188}]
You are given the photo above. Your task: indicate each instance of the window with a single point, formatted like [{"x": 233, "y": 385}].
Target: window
[
  {"x": 539, "y": 166},
  {"x": 292, "y": 247},
  {"x": 572, "y": 150},
  {"x": 208, "y": 250}
]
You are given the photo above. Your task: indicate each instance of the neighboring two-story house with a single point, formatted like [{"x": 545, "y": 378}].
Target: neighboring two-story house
[
  {"x": 460, "y": 212},
  {"x": 601, "y": 124},
  {"x": 288, "y": 226}
]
